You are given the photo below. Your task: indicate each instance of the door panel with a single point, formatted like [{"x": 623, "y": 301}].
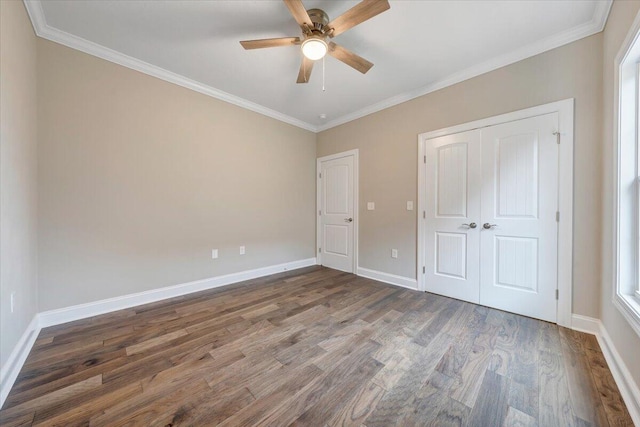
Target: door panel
[
  {"x": 451, "y": 254},
  {"x": 518, "y": 251},
  {"x": 336, "y": 238},
  {"x": 451, "y": 178},
  {"x": 453, "y": 188},
  {"x": 516, "y": 263},
  {"x": 516, "y": 175},
  {"x": 336, "y": 219}
]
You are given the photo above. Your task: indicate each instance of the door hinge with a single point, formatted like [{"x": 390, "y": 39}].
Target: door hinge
[
  {"x": 319, "y": 213},
  {"x": 319, "y": 249},
  {"x": 557, "y": 134},
  {"x": 320, "y": 175},
  {"x": 424, "y": 214},
  {"x": 557, "y": 216},
  {"x": 424, "y": 159},
  {"x": 557, "y": 294},
  {"x": 424, "y": 269}
]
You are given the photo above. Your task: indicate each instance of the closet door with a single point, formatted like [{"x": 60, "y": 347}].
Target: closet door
[
  {"x": 452, "y": 226},
  {"x": 519, "y": 229}
]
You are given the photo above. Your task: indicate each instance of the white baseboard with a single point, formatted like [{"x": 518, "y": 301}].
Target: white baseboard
[
  {"x": 586, "y": 324},
  {"x": 82, "y": 311},
  {"x": 18, "y": 356},
  {"x": 628, "y": 388},
  {"x": 391, "y": 279}
]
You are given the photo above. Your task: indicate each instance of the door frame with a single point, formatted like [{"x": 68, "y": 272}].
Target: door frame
[
  {"x": 356, "y": 163},
  {"x": 565, "y": 110}
]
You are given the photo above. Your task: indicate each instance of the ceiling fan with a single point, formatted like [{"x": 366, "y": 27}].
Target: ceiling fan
[{"x": 316, "y": 29}]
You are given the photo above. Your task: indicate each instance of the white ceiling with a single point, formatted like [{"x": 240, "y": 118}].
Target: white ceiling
[{"x": 416, "y": 46}]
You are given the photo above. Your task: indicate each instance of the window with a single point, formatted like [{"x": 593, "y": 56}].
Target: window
[{"x": 627, "y": 179}]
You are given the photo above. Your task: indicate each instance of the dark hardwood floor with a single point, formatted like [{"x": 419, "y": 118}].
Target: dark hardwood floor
[{"x": 314, "y": 347}]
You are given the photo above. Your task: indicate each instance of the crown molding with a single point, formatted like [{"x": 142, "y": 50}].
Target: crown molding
[
  {"x": 42, "y": 29},
  {"x": 597, "y": 23}
]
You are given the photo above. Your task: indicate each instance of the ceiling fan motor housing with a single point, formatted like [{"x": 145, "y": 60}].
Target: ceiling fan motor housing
[{"x": 320, "y": 19}]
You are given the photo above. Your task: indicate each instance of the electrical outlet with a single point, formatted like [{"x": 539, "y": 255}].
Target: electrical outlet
[
  {"x": 214, "y": 253},
  {"x": 13, "y": 301},
  {"x": 394, "y": 253},
  {"x": 371, "y": 206},
  {"x": 242, "y": 250}
]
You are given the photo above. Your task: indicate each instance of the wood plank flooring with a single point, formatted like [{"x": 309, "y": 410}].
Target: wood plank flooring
[{"x": 314, "y": 347}]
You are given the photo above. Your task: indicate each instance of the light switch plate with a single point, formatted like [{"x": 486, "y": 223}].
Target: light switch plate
[
  {"x": 410, "y": 205},
  {"x": 242, "y": 250},
  {"x": 371, "y": 206},
  {"x": 214, "y": 253},
  {"x": 394, "y": 253}
]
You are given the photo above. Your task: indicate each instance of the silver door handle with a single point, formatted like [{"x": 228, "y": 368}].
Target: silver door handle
[
  {"x": 348, "y": 219},
  {"x": 487, "y": 226},
  {"x": 471, "y": 225}
]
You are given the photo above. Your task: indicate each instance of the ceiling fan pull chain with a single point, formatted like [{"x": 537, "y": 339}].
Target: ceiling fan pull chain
[{"x": 323, "y": 73}]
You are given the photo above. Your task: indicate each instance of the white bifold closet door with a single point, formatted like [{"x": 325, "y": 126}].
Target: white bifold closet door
[{"x": 491, "y": 234}]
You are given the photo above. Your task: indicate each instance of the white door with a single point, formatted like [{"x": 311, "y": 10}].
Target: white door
[
  {"x": 453, "y": 216},
  {"x": 519, "y": 237},
  {"x": 491, "y": 229},
  {"x": 336, "y": 232}
]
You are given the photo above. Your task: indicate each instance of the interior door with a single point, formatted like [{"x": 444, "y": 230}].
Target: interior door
[
  {"x": 519, "y": 234},
  {"x": 453, "y": 215},
  {"x": 336, "y": 213}
]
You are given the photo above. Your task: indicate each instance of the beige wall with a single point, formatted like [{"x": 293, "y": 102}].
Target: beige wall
[
  {"x": 624, "y": 338},
  {"x": 18, "y": 181},
  {"x": 388, "y": 154},
  {"x": 139, "y": 179}
]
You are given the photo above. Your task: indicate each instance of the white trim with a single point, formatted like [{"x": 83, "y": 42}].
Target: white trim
[
  {"x": 82, "y": 311},
  {"x": 392, "y": 279},
  {"x": 629, "y": 308},
  {"x": 422, "y": 210},
  {"x": 628, "y": 388},
  {"x": 597, "y": 23},
  {"x": 564, "y": 109},
  {"x": 625, "y": 304},
  {"x": 586, "y": 324},
  {"x": 18, "y": 356},
  {"x": 356, "y": 197},
  {"x": 42, "y": 29}
]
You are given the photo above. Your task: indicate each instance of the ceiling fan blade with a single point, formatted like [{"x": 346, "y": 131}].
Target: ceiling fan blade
[
  {"x": 364, "y": 10},
  {"x": 299, "y": 13},
  {"x": 349, "y": 58},
  {"x": 305, "y": 70},
  {"x": 259, "y": 44}
]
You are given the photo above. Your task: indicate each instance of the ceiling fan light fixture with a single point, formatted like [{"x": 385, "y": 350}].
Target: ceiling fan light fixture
[{"x": 314, "y": 48}]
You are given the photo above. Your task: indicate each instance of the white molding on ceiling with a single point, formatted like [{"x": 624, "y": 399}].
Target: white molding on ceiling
[
  {"x": 594, "y": 26},
  {"x": 42, "y": 29}
]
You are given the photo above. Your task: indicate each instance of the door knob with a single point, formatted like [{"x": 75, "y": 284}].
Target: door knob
[
  {"x": 348, "y": 219},
  {"x": 471, "y": 225},
  {"x": 487, "y": 226}
]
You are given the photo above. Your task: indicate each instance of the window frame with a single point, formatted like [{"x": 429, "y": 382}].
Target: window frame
[
  {"x": 636, "y": 292},
  {"x": 626, "y": 209}
]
